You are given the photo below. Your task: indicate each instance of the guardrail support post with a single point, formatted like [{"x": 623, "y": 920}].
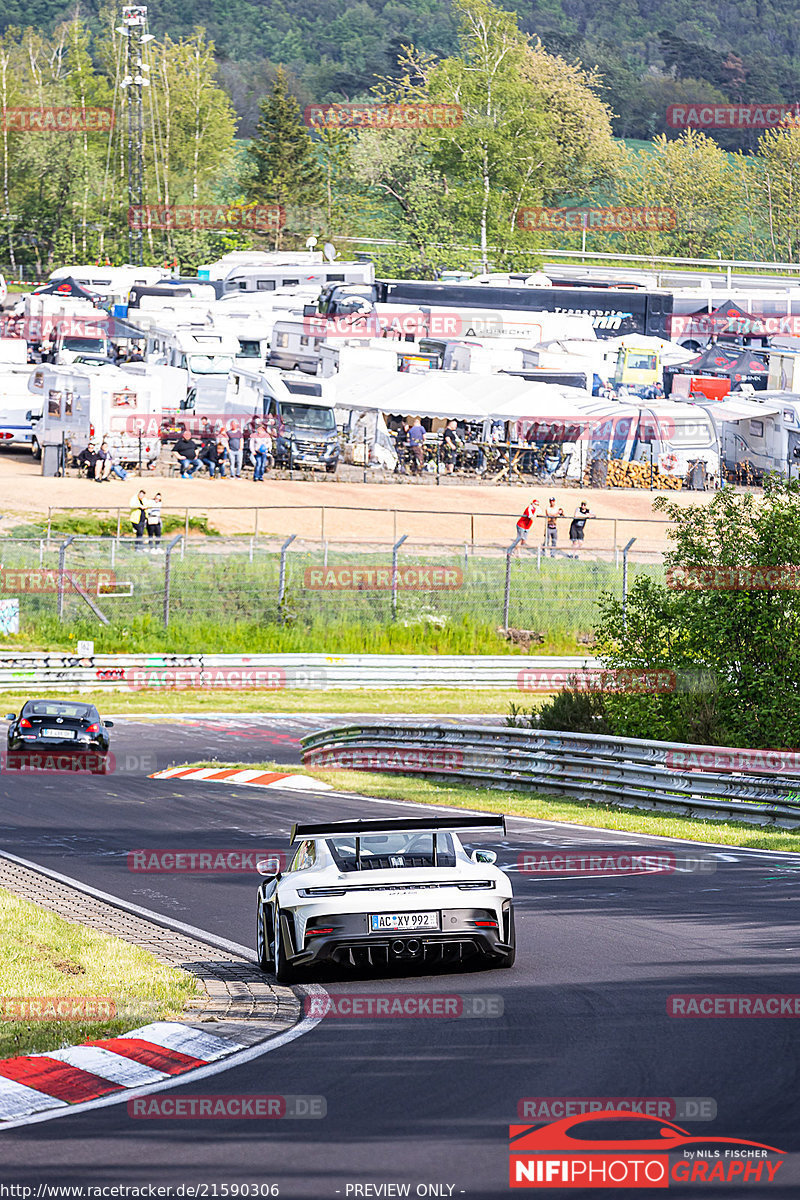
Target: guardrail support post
[
  {"x": 62, "y": 562},
  {"x": 507, "y": 589},
  {"x": 282, "y": 577},
  {"x": 625, "y": 550},
  {"x": 395, "y": 549},
  {"x": 167, "y": 573}
]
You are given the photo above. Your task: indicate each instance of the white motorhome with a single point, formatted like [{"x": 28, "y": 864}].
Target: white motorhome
[
  {"x": 249, "y": 277},
  {"x": 15, "y": 406},
  {"x": 223, "y": 267},
  {"x": 200, "y": 349},
  {"x": 759, "y": 432},
  {"x": 118, "y": 402},
  {"x": 299, "y": 413}
]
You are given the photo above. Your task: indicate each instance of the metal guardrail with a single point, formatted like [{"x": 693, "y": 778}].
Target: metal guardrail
[
  {"x": 50, "y": 671},
  {"x": 629, "y": 772}
]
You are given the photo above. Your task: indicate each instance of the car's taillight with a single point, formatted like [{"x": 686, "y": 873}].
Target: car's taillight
[
  {"x": 317, "y": 932},
  {"x": 486, "y": 924},
  {"x": 93, "y": 728},
  {"x": 25, "y": 724}
]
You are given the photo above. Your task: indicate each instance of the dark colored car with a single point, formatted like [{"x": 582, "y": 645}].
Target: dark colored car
[{"x": 58, "y": 724}]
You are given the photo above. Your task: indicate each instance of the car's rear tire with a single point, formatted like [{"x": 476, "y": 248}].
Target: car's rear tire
[
  {"x": 284, "y": 973},
  {"x": 262, "y": 939}
]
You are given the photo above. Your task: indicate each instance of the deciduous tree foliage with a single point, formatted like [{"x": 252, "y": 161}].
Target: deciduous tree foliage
[{"x": 735, "y": 653}]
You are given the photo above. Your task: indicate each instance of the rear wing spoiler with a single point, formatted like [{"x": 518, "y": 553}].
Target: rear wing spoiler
[{"x": 398, "y": 825}]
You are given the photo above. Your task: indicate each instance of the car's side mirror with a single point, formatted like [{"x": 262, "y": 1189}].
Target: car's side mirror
[
  {"x": 108, "y": 724},
  {"x": 266, "y": 867},
  {"x": 11, "y": 716},
  {"x": 484, "y": 856}
]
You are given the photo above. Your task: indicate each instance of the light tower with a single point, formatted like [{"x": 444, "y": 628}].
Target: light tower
[{"x": 134, "y": 20}]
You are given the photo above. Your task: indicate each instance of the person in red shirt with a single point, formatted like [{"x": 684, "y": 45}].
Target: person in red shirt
[{"x": 525, "y": 523}]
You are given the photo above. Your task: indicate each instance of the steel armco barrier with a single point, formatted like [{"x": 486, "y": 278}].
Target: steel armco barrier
[
  {"x": 49, "y": 671},
  {"x": 625, "y": 771}
]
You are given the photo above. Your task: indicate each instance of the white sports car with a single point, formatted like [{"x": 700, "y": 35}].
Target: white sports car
[{"x": 383, "y": 893}]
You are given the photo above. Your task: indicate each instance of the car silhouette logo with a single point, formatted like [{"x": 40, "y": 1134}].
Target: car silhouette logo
[{"x": 558, "y": 1136}]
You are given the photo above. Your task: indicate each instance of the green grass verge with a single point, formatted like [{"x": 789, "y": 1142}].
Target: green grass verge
[
  {"x": 447, "y": 701},
  {"x": 45, "y": 956},
  {"x": 539, "y": 806}
]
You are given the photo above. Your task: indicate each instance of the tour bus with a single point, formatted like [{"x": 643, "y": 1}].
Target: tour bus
[{"x": 613, "y": 312}]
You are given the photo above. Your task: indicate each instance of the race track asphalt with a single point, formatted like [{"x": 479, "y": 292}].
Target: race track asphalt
[{"x": 425, "y": 1101}]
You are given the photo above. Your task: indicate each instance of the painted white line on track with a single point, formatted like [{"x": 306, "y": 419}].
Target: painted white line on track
[{"x": 108, "y": 1065}]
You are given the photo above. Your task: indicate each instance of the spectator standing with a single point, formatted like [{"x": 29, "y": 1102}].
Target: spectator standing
[
  {"x": 578, "y": 523},
  {"x": 186, "y": 450},
  {"x": 154, "y": 522},
  {"x": 526, "y": 521},
  {"x": 551, "y": 515},
  {"x": 451, "y": 445},
  {"x": 235, "y": 452},
  {"x": 401, "y": 446},
  {"x": 416, "y": 445},
  {"x": 138, "y": 517},
  {"x": 260, "y": 449}
]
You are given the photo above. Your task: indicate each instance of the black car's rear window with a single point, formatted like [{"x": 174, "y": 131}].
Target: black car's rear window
[{"x": 60, "y": 708}]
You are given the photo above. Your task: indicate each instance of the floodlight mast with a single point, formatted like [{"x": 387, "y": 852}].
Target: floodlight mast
[{"x": 134, "y": 21}]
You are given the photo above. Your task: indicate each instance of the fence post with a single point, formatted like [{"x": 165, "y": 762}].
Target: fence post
[
  {"x": 507, "y": 590},
  {"x": 625, "y": 550},
  {"x": 395, "y": 549},
  {"x": 282, "y": 578},
  {"x": 119, "y": 523},
  {"x": 167, "y": 573},
  {"x": 49, "y": 521},
  {"x": 186, "y": 525},
  {"x": 62, "y": 560}
]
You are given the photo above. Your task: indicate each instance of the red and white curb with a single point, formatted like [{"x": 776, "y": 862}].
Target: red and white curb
[
  {"x": 33, "y": 1083},
  {"x": 245, "y": 777}
]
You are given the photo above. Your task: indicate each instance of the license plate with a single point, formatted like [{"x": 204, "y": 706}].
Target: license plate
[
  {"x": 63, "y": 734},
  {"x": 403, "y": 922}
]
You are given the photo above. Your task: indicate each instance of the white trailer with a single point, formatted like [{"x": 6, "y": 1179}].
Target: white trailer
[{"x": 117, "y": 402}]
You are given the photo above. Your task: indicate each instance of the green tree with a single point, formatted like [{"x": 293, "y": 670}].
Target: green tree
[
  {"x": 734, "y": 650},
  {"x": 778, "y": 166},
  {"x": 288, "y": 171}
]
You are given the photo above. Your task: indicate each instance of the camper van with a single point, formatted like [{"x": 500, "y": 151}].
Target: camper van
[
  {"x": 199, "y": 349},
  {"x": 299, "y": 413},
  {"x": 112, "y": 284},
  {"x": 295, "y": 343},
  {"x": 249, "y": 277},
  {"x": 117, "y": 402},
  {"x": 758, "y": 433}
]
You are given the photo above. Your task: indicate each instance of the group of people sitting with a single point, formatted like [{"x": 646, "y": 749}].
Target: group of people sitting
[
  {"x": 100, "y": 462},
  {"x": 215, "y": 451}
]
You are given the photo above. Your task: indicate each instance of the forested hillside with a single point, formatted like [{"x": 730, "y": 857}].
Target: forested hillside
[{"x": 650, "y": 53}]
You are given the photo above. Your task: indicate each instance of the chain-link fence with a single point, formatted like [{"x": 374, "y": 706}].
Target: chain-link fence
[{"x": 219, "y": 586}]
